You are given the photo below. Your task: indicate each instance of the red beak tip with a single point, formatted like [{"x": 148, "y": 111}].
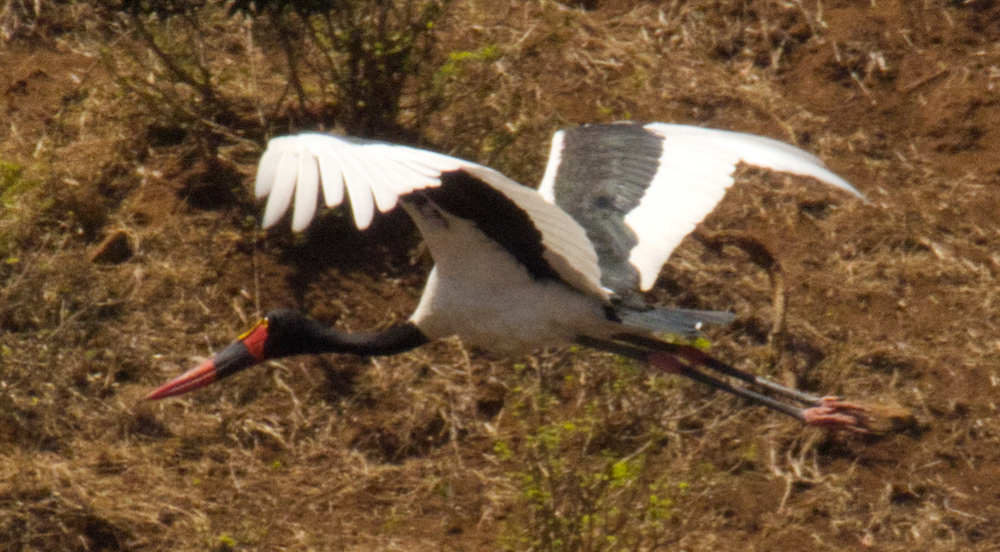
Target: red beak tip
[
  {"x": 162, "y": 392},
  {"x": 154, "y": 396},
  {"x": 192, "y": 379}
]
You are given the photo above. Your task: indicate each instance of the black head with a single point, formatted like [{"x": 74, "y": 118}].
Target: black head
[
  {"x": 288, "y": 332},
  {"x": 273, "y": 337}
]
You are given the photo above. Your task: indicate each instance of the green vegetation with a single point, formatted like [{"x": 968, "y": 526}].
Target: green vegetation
[
  {"x": 581, "y": 499},
  {"x": 12, "y": 183},
  {"x": 452, "y": 68},
  {"x": 14, "y": 186},
  {"x": 587, "y": 477}
]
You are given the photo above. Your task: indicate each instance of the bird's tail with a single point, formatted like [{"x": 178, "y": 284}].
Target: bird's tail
[{"x": 672, "y": 320}]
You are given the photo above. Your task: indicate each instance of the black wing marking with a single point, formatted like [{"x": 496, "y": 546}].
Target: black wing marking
[{"x": 495, "y": 215}]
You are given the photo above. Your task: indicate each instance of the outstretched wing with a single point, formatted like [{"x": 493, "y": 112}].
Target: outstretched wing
[
  {"x": 639, "y": 190},
  {"x": 377, "y": 174}
]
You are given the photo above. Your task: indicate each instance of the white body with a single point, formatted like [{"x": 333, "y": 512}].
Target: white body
[
  {"x": 507, "y": 316},
  {"x": 479, "y": 292}
]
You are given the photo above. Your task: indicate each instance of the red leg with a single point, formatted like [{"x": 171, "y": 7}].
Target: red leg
[{"x": 668, "y": 362}]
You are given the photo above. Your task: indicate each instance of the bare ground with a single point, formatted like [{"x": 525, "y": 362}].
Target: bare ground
[{"x": 889, "y": 302}]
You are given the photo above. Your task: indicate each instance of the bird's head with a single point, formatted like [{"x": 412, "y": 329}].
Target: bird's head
[{"x": 277, "y": 335}]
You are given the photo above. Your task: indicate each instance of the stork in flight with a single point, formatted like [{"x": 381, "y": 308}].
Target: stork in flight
[{"x": 519, "y": 269}]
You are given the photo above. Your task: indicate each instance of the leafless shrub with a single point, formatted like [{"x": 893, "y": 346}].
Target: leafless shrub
[{"x": 210, "y": 67}]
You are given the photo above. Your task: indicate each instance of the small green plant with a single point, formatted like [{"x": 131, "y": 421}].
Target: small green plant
[
  {"x": 578, "y": 495},
  {"x": 12, "y": 182},
  {"x": 452, "y": 67},
  {"x": 15, "y": 210}
]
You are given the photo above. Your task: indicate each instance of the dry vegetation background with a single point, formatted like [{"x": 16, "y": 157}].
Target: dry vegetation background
[{"x": 129, "y": 250}]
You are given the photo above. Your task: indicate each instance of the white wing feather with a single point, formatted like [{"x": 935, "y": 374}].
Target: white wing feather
[
  {"x": 696, "y": 169},
  {"x": 373, "y": 174},
  {"x": 376, "y": 174},
  {"x": 332, "y": 177},
  {"x": 282, "y": 186}
]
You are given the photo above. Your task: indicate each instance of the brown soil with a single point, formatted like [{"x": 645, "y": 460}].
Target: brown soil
[{"x": 128, "y": 256}]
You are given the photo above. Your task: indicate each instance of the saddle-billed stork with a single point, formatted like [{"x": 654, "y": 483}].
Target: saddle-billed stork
[{"x": 519, "y": 269}]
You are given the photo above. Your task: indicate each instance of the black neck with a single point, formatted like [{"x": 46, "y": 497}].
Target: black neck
[
  {"x": 291, "y": 333},
  {"x": 395, "y": 340}
]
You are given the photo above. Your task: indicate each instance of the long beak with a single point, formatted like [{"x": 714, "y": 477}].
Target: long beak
[{"x": 232, "y": 359}]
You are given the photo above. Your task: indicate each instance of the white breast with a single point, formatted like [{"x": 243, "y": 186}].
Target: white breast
[
  {"x": 479, "y": 292},
  {"x": 505, "y": 317}
]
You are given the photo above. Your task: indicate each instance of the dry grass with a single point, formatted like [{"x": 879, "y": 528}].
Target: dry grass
[{"x": 891, "y": 302}]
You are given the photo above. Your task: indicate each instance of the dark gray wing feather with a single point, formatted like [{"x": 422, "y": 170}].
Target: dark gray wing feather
[{"x": 602, "y": 174}]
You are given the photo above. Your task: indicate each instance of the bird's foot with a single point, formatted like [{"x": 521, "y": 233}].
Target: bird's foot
[
  {"x": 834, "y": 413},
  {"x": 868, "y": 418}
]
